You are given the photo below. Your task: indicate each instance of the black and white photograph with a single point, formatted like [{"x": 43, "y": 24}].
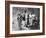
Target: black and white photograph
[{"x": 25, "y": 18}]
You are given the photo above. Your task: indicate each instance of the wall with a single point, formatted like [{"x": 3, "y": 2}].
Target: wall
[{"x": 2, "y": 19}]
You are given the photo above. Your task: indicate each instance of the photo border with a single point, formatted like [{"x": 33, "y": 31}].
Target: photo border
[
  {"x": 7, "y": 18},
  {"x": 25, "y": 31}
]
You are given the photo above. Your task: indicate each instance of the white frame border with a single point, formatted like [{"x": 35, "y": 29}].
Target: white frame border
[{"x": 29, "y": 31}]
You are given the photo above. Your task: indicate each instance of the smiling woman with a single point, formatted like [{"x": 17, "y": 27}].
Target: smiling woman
[{"x": 24, "y": 18}]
